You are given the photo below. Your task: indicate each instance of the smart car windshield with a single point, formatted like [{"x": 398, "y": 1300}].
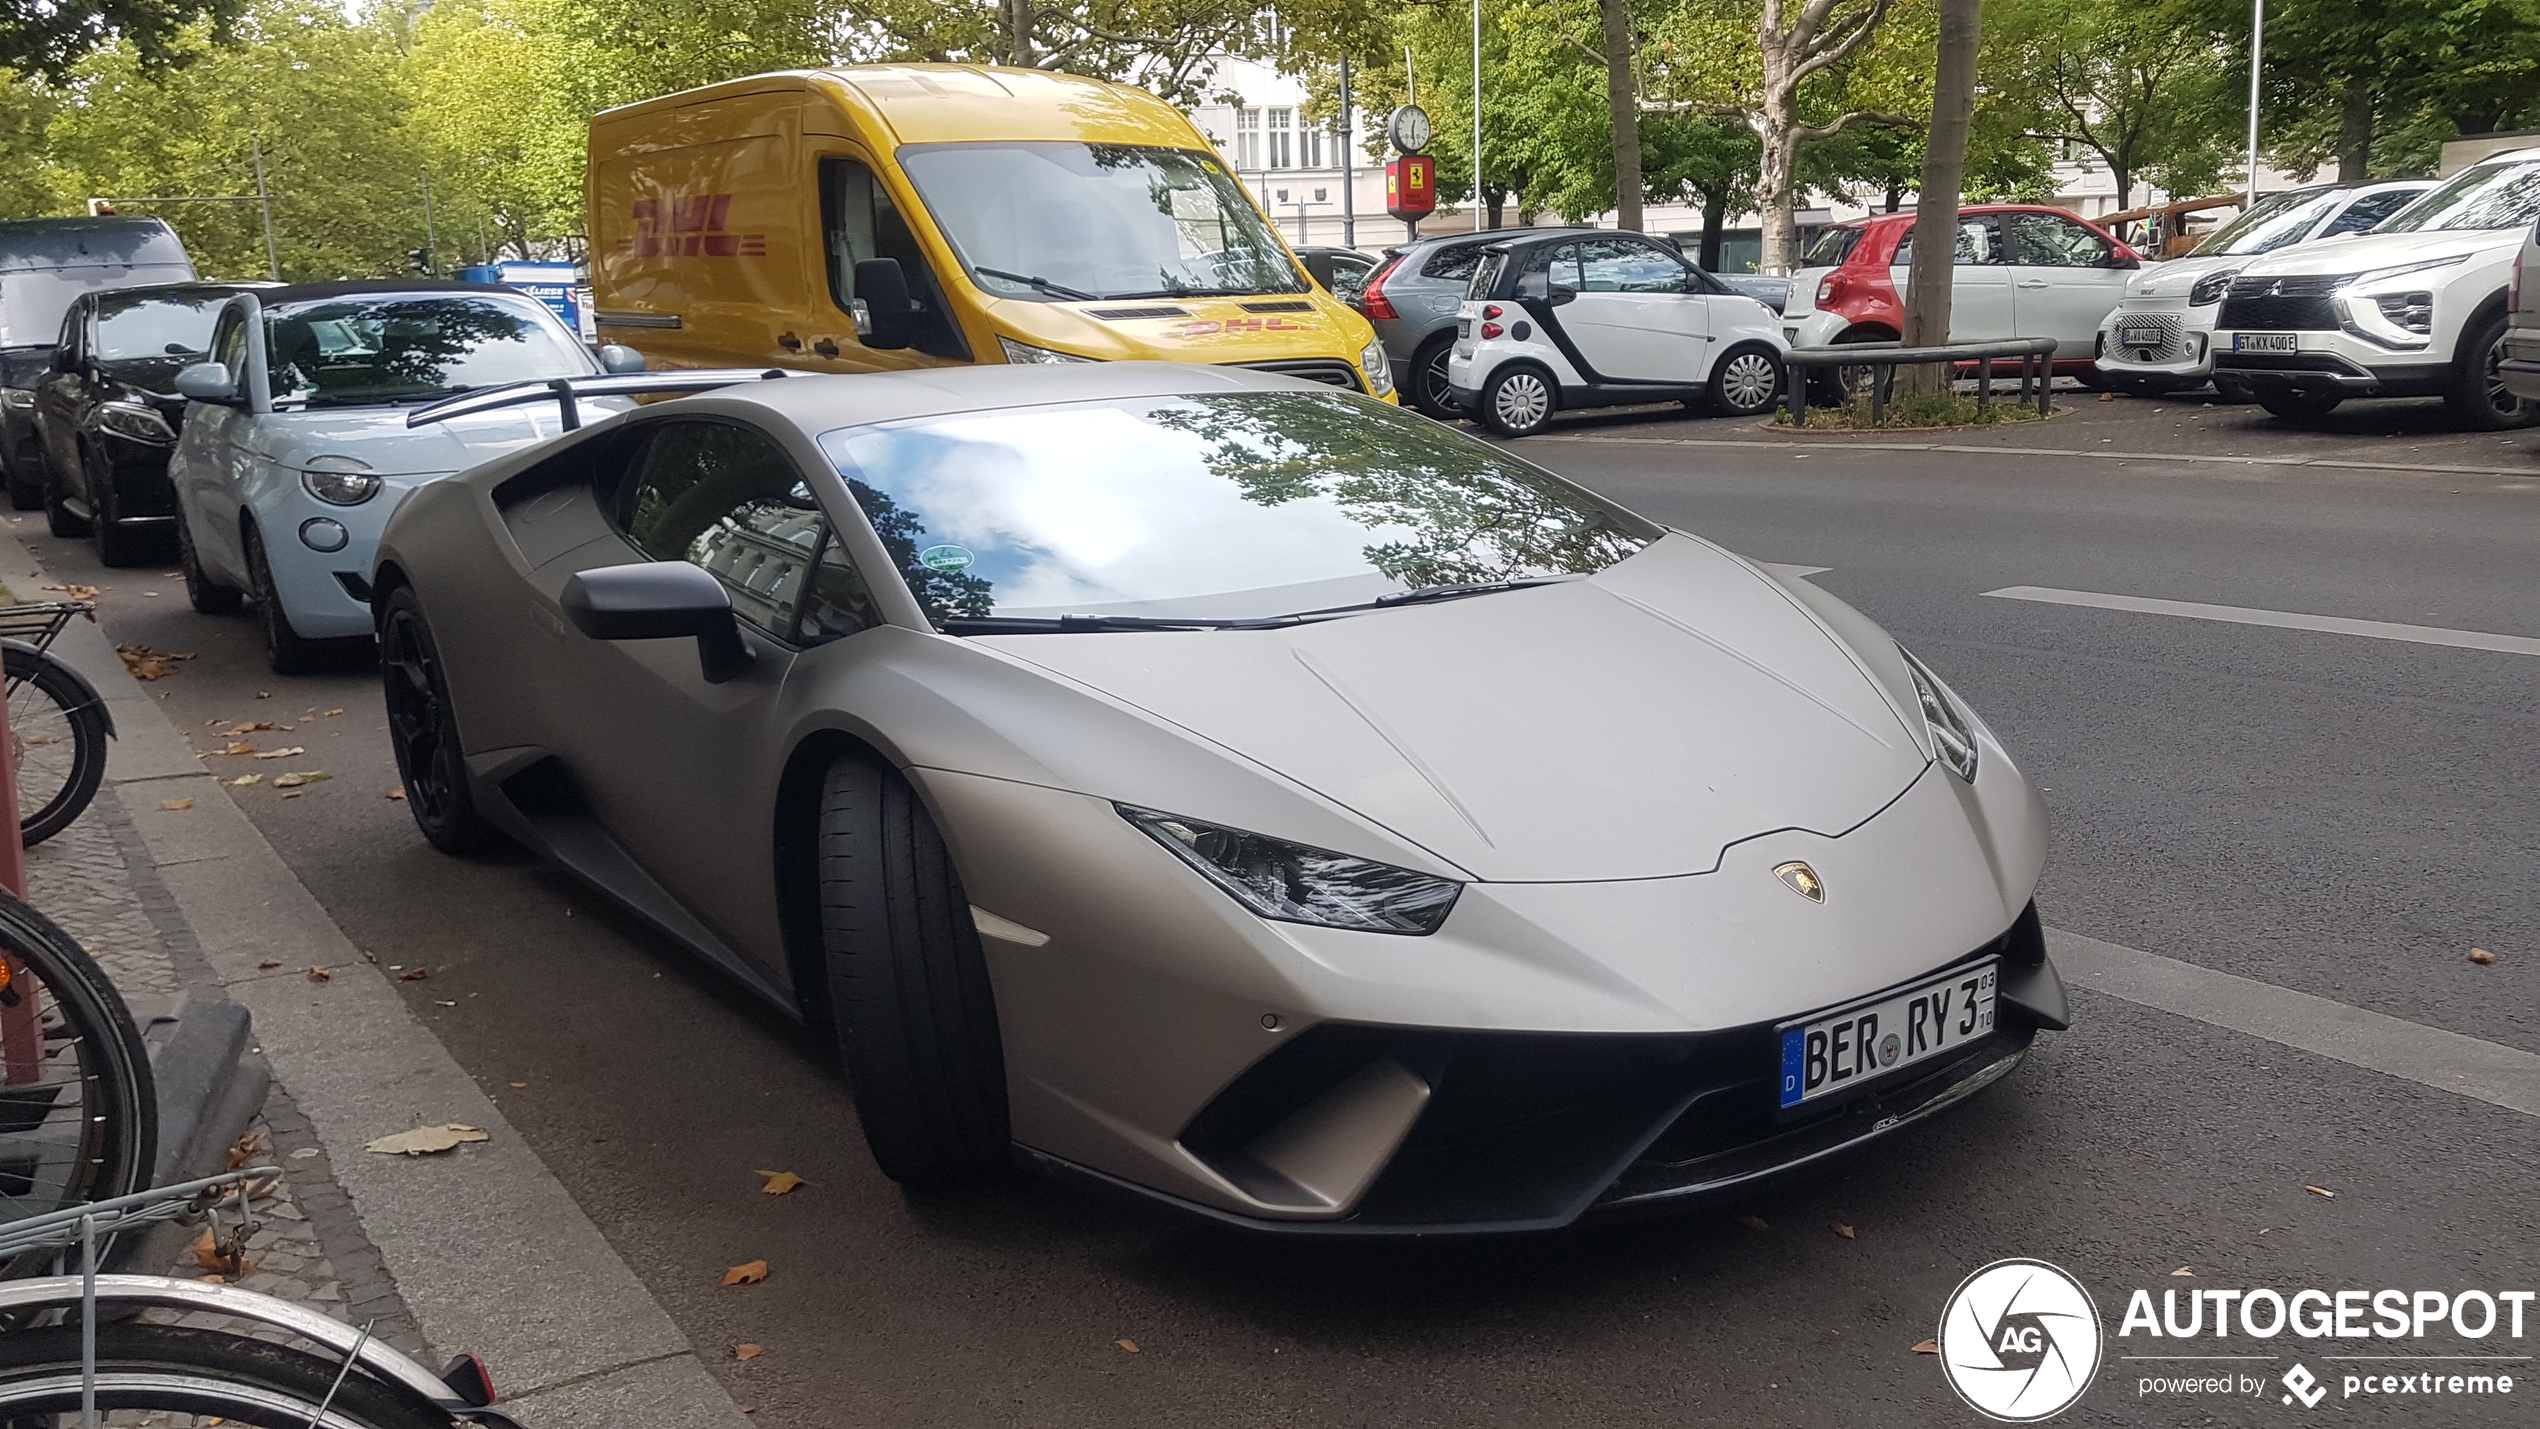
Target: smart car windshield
[
  {"x": 400, "y": 347},
  {"x": 1233, "y": 506},
  {"x": 2481, "y": 196},
  {"x": 156, "y": 325},
  {"x": 2274, "y": 223},
  {"x": 1066, "y": 221}
]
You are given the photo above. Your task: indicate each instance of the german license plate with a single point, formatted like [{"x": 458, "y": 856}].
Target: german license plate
[
  {"x": 2138, "y": 336},
  {"x": 2265, "y": 342},
  {"x": 1838, "y": 1050}
]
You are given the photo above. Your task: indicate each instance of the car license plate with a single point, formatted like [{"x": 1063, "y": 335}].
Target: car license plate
[
  {"x": 1832, "y": 1053},
  {"x": 2138, "y": 336},
  {"x": 2265, "y": 341}
]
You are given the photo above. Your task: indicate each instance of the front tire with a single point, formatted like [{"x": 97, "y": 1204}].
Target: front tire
[
  {"x": 423, "y": 730},
  {"x": 1518, "y": 400},
  {"x": 2479, "y": 396},
  {"x": 118, "y": 545},
  {"x": 2298, "y": 405},
  {"x": 286, "y": 650},
  {"x": 1746, "y": 382},
  {"x": 908, "y": 986},
  {"x": 1430, "y": 389},
  {"x": 215, "y": 1375},
  {"x": 208, "y": 596}
]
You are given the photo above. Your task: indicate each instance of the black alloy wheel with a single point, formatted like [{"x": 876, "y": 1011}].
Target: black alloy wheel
[
  {"x": 286, "y": 649},
  {"x": 2479, "y": 396},
  {"x": 118, "y": 545},
  {"x": 207, "y": 596},
  {"x": 423, "y": 731},
  {"x": 1431, "y": 391}
]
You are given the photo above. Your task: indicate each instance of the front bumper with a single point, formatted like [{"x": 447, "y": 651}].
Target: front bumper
[
  {"x": 326, "y": 594},
  {"x": 2181, "y": 350},
  {"x": 1813, "y": 328},
  {"x": 2336, "y": 362}
]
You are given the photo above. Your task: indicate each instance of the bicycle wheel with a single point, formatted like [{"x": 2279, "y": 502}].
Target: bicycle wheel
[
  {"x": 206, "y": 1373},
  {"x": 57, "y": 736},
  {"x": 79, "y": 1114}
]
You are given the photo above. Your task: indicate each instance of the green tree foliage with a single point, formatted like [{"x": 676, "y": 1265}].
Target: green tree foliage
[
  {"x": 2146, "y": 87},
  {"x": 48, "y": 38}
]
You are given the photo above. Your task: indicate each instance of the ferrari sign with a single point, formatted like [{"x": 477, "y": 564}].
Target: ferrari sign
[{"x": 1411, "y": 187}]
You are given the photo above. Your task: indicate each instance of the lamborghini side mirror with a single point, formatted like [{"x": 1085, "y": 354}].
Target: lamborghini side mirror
[{"x": 660, "y": 600}]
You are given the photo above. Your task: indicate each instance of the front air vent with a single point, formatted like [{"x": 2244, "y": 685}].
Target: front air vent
[
  {"x": 1331, "y": 372},
  {"x": 1122, "y": 315},
  {"x": 1277, "y": 307}
]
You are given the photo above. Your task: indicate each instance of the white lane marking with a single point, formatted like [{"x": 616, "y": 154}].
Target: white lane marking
[
  {"x": 2429, "y": 1056},
  {"x": 1793, "y": 572},
  {"x": 2280, "y": 619}
]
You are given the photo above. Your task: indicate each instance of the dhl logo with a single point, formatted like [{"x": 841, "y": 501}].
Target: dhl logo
[
  {"x": 1201, "y": 327},
  {"x": 689, "y": 228}
]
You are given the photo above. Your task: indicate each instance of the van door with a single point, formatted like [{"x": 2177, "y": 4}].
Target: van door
[{"x": 860, "y": 220}]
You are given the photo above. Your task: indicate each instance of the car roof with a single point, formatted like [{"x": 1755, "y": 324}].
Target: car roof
[
  {"x": 79, "y": 242},
  {"x": 365, "y": 287},
  {"x": 823, "y": 402},
  {"x": 176, "y": 290}
]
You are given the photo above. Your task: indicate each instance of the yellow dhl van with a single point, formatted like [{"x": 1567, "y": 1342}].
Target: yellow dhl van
[{"x": 881, "y": 217}]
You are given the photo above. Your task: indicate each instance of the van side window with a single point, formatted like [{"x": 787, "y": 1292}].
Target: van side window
[{"x": 858, "y": 221}]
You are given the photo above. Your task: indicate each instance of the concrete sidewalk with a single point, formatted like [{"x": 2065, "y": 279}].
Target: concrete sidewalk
[{"x": 480, "y": 1249}]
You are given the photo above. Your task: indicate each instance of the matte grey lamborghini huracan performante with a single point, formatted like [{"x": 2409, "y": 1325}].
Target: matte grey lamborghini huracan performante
[{"x": 1227, "y": 789}]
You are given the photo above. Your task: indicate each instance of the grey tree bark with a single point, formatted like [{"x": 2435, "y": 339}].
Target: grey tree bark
[
  {"x": 1622, "y": 101},
  {"x": 1928, "y": 279}
]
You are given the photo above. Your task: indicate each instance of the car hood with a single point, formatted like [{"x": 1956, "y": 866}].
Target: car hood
[
  {"x": 377, "y": 439},
  {"x": 2173, "y": 278},
  {"x": 155, "y": 376},
  {"x": 1631, "y": 725},
  {"x": 2366, "y": 251}
]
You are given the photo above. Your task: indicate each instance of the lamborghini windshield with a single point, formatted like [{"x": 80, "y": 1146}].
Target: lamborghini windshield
[
  {"x": 1235, "y": 506},
  {"x": 1070, "y": 222}
]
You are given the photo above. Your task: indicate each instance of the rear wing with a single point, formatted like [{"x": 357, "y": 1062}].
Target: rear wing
[{"x": 567, "y": 392}]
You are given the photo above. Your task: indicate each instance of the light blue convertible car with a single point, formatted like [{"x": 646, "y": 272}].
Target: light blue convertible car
[{"x": 295, "y": 448}]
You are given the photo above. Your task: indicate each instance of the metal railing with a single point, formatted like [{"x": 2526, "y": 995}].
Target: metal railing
[{"x": 2036, "y": 358}]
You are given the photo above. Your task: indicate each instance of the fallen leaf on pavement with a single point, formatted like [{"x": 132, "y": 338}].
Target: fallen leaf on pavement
[
  {"x": 305, "y": 1153},
  {"x": 1844, "y": 1231},
  {"x": 270, "y": 963},
  {"x": 1928, "y": 1347},
  {"x": 1753, "y": 1223},
  {"x": 2481, "y": 956},
  {"x": 175, "y": 805},
  {"x": 443, "y": 1002},
  {"x": 1130, "y": 1345},
  {"x": 746, "y": 1352},
  {"x": 251, "y": 726},
  {"x": 264, "y": 694},
  {"x": 245, "y": 779},
  {"x": 209, "y": 1255},
  {"x": 280, "y": 753},
  {"x": 248, "y": 1146},
  {"x": 779, "y": 1182},
  {"x": 746, "y": 1274},
  {"x": 2320, "y": 1191},
  {"x": 330, "y": 714},
  {"x": 519, "y": 1084},
  {"x": 414, "y": 974},
  {"x": 294, "y": 794},
  {"x": 398, "y": 794},
  {"x": 240, "y": 746},
  {"x": 2183, "y": 1271},
  {"x": 144, "y": 663},
  {"x": 75, "y": 592},
  {"x": 296, "y": 779},
  {"x": 425, "y": 1140},
  {"x": 320, "y": 973}
]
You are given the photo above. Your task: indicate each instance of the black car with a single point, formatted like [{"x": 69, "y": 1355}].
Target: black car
[
  {"x": 106, "y": 413},
  {"x": 45, "y": 263}
]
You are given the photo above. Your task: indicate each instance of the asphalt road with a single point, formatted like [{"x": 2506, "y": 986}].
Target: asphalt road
[{"x": 2338, "y": 815}]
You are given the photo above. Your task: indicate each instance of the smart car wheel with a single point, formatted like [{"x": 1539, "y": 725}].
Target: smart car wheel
[
  {"x": 1432, "y": 391},
  {"x": 2479, "y": 396},
  {"x": 423, "y": 731},
  {"x": 908, "y": 986},
  {"x": 2298, "y": 404},
  {"x": 208, "y": 596},
  {"x": 1747, "y": 381},
  {"x": 286, "y": 650},
  {"x": 1518, "y": 400}
]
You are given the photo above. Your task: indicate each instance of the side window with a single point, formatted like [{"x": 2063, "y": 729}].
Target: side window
[
  {"x": 837, "y": 602},
  {"x": 1561, "y": 270},
  {"x": 2364, "y": 212},
  {"x": 2042, "y": 240},
  {"x": 1349, "y": 279},
  {"x": 729, "y": 499},
  {"x": 1619, "y": 265},
  {"x": 1455, "y": 264},
  {"x": 1979, "y": 241},
  {"x": 858, "y": 221},
  {"x": 229, "y": 343}
]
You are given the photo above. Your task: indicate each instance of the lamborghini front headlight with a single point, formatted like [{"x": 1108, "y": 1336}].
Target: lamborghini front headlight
[
  {"x": 1292, "y": 883},
  {"x": 1952, "y": 737}
]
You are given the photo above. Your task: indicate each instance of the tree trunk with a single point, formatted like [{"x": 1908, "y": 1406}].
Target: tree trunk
[
  {"x": 1622, "y": 102},
  {"x": 1494, "y": 200},
  {"x": 1776, "y": 126},
  {"x": 2354, "y": 132},
  {"x": 1928, "y": 283},
  {"x": 1016, "y": 22},
  {"x": 1895, "y": 196},
  {"x": 1715, "y": 217}
]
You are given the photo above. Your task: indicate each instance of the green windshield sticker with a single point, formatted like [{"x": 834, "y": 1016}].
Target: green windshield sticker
[{"x": 946, "y": 558}]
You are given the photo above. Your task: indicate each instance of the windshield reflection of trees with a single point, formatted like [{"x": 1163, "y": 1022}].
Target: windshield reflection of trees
[
  {"x": 1242, "y": 261},
  {"x": 416, "y": 345},
  {"x": 942, "y": 593},
  {"x": 1478, "y": 519}
]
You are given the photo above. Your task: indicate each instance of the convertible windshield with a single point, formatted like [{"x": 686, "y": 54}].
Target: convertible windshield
[
  {"x": 158, "y": 325},
  {"x": 1237, "y": 506},
  {"x": 1067, "y": 222},
  {"x": 394, "y": 347},
  {"x": 2482, "y": 196},
  {"x": 2274, "y": 223}
]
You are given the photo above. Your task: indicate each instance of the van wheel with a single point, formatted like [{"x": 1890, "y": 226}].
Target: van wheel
[
  {"x": 1517, "y": 401},
  {"x": 1747, "y": 381},
  {"x": 2479, "y": 396}
]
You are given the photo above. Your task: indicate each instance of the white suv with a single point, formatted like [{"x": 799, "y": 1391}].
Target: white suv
[
  {"x": 2415, "y": 308},
  {"x": 2159, "y": 337}
]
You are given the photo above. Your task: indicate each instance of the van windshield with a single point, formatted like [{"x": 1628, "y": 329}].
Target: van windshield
[{"x": 1070, "y": 222}]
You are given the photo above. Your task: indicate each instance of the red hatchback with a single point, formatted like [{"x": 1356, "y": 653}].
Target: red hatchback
[{"x": 2023, "y": 270}]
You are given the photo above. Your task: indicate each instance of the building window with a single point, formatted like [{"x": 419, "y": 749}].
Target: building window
[
  {"x": 1322, "y": 195},
  {"x": 1280, "y": 197},
  {"x": 1309, "y": 145},
  {"x": 1282, "y": 138},
  {"x": 1247, "y": 138}
]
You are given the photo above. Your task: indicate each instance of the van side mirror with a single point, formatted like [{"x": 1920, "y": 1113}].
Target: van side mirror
[
  {"x": 615, "y": 359},
  {"x": 882, "y": 285},
  {"x": 209, "y": 382},
  {"x": 660, "y": 600}
]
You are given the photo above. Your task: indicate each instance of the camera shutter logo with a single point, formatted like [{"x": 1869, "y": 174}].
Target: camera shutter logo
[{"x": 2020, "y": 1341}]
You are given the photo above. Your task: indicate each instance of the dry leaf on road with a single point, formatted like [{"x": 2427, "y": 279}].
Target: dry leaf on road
[
  {"x": 1844, "y": 1231},
  {"x": 1928, "y": 1347},
  {"x": 2321, "y": 1191},
  {"x": 239, "y": 746},
  {"x": 176, "y": 805},
  {"x": 246, "y": 779},
  {"x": 248, "y": 1146},
  {"x": 2481, "y": 956},
  {"x": 414, "y": 974},
  {"x": 746, "y": 1352},
  {"x": 1130, "y": 1345},
  {"x": 296, "y": 779},
  {"x": 398, "y": 793},
  {"x": 270, "y": 963},
  {"x": 209, "y": 1255},
  {"x": 779, "y": 1182},
  {"x": 278, "y": 753},
  {"x": 319, "y": 972},
  {"x": 425, "y": 1140},
  {"x": 2183, "y": 1271},
  {"x": 330, "y": 714},
  {"x": 746, "y": 1274},
  {"x": 250, "y": 727},
  {"x": 144, "y": 663},
  {"x": 75, "y": 592}
]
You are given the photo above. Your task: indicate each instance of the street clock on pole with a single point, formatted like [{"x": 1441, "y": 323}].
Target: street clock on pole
[{"x": 1408, "y": 129}]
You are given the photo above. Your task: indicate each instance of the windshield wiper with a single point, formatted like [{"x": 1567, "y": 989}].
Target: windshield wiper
[
  {"x": 1251, "y": 292},
  {"x": 1070, "y": 624},
  {"x": 1421, "y": 594},
  {"x": 1055, "y": 290}
]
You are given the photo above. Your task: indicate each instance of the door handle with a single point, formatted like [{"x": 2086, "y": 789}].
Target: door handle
[
  {"x": 2034, "y": 283},
  {"x": 826, "y": 347},
  {"x": 789, "y": 342}
]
